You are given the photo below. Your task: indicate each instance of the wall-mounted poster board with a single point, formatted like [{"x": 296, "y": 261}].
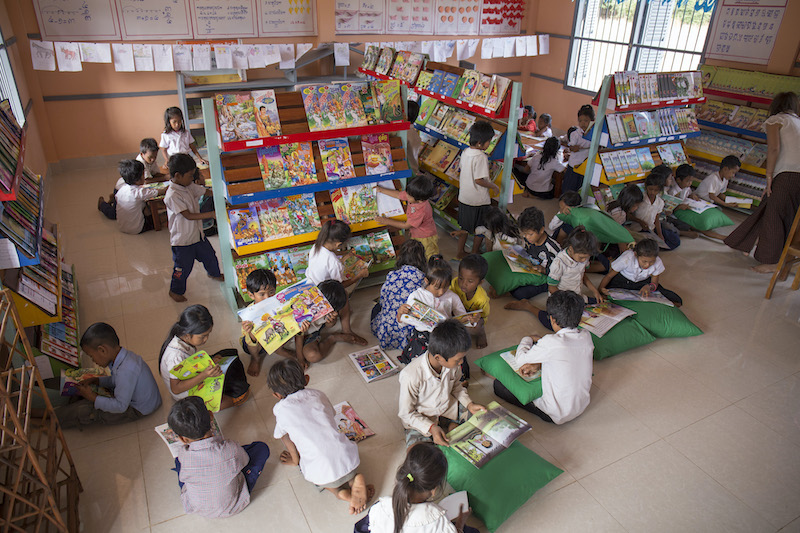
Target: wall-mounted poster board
[
  {"x": 231, "y": 19},
  {"x": 745, "y": 30},
  {"x": 153, "y": 19},
  {"x": 75, "y": 20},
  {"x": 281, "y": 18}
]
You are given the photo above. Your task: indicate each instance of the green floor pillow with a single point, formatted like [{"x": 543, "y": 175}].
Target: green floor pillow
[
  {"x": 708, "y": 219},
  {"x": 626, "y": 335},
  {"x": 662, "y": 321},
  {"x": 503, "y": 485},
  {"x": 605, "y": 228},
  {"x": 494, "y": 365},
  {"x": 503, "y": 279}
]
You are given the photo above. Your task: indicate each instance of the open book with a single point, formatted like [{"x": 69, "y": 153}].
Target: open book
[
  {"x": 636, "y": 296},
  {"x": 600, "y": 318},
  {"x": 71, "y": 377},
  {"x": 350, "y": 424},
  {"x": 510, "y": 357},
  {"x": 698, "y": 206},
  {"x": 422, "y": 317},
  {"x": 210, "y": 390},
  {"x": 486, "y": 434},
  {"x": 173, "y": 442},
  {"x": 741, "y": 202},
  {"x": 670, "y": 202},
  {"x": 519, "y": 261},
  {"x": 472, "y": 318},
  {"x": 373, "y": 364},
  {"x": 454, "y": 504}
]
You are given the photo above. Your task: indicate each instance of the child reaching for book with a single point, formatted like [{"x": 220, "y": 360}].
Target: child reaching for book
[
  {"x": 215, "y": 475},
  {"x": 565, "y": 359},
  {"x": 176, "y": 139},
  {"x": 433, "y": 400},
  {"x": 648, "y": 214},
  {"x": 133, "y": 213},
  {"x": 305, "y": 423},
  {"x": 541, "y": 247},
  {"x": 639, "y": 270},
  {"x": 148, "y": 153},
  {"x": 419, "y": 214},
  {"x": 498, "y": 230},
  {"x": 185, "y": 337},
  {"x": 713, "y": 187},
  {"x": 578, "y": 147},
  {"x": 684, "y": 175},
  {"x": 559, "y": 229},
  {"x": 467, "y": 286}
]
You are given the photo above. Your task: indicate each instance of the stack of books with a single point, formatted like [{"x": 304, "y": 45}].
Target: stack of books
[
  {"x": 10, "y": 147},
  {"x": 20, "y": 219},
  {"x": 748, "y": 83},
  {"x": 626, "y": 127},
  {"x": 60, "y": 339},
  {"x": 735, "y": 116},
  {"x": 634, "y": 88},
  {"x": 722, "y": 145},
  {"x": 472, "y": 87}
]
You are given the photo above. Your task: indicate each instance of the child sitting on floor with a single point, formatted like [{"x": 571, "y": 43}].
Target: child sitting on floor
[
  {"x": 109, "y": 209},
  {"x": 133, "y": 213},
  {"x": 648, "y": 214},
  {"x": 419, "y": 213},
  {"x": 498, "y": 230},
  {"x": 684, "y": 175},
  {"x": 540, "y": 168},
  {"x": 148, "y": 153},
  {"x": 433, "y": 400},
  {"x": 713, "y": 187},
  {"x": 565, "y": 359},
  {"x": 638, "y": 269},
  {"x": 559, "y": 229},
  {"x": 305, "y": 423},
  {"x": 467, "y": 286},
  {"x": 261, "y": 284},
  {"x": 541, "y": 247},
  {"x": 215, "y": 475}
]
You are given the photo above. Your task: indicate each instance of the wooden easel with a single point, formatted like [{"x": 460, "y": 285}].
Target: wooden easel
[{"x": 790, "y": 256}]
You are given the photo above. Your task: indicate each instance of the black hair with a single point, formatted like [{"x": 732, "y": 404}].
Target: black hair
[
  {"x": 566, "y": 308},
  {"x": 420, "y": 188},
  {"x": 661, "y": 170},
  {"x": 189, "y": 418},
  {"x": 411, "y": 253},
  {"x": 99, "y": 333},
  {"x": 499, "y": 223},
  {"x": 582, "y": 241},
  {"x": 587, "y": 111},
  {"x": 480, "y": 132},
  {"x": 332, "y": 230},
  {"x": 629, "y": 197},
  {"x": 413, "y": 111},
  {"x": 131, "y": 171},
  {"x": 180, "y": 164},
  {"x": 531, "y": 218},
  {"x": 439, "y": 272},
  {"x": 570, "y": 130},
  {"x": 683, "y": 171},
  {"x": 646, "y": 248},
  {"x": 173, "y": 112},
  {"x": 449, "y": 338},
  {"x": 475, "y": 263},
  {"x": 730, "y": 161},
  {"x": 334, "y": 292},
  {"x": 194, "y": 320},
  {"x": 571, "y": 198},
  {"x": 148, "y": 145},
  {"x": 286, "y": 377},
  {"x": 548, "y": 120},
  {"x": 424, "y": 470},
  {"x": 530, "y": 110},
  {"x": 549, "y": 151},
  {"x": 259, "y": 279},
  {"x": 656, "y": 179},
  {"x": 785, "y": 103}
]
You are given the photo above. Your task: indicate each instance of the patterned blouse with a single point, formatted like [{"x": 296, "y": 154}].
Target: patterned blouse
[{"x": 394, "y": 293}]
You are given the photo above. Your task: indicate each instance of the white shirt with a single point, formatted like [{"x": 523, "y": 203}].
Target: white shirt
[
  {"x": 677, "y": 192},
  {"x": 118, "y": 185},
  {"x": 307, "y": 416},
  {"x": 555, "y": 223},
  {"x": 648, "y": 212},
  {"x": 541, "y": 179},
  {"x": 627, "y": 264},
  {"x": 182, "y": 231},
  {"x": 131, "y": 200},
  {"x": 576, "y": 138},
  {"x": 149, "y": 168},
  {"x": 499, "y": 240},
  {"x": 566, "y": 358},
  {"x": 426, "y": 517},
  {"x": 712, "y": 184},
  {"x": 176, "y": 351},
  {"x": 789, "y": 156},
  {"x": 474, "y": 166},
  {"x": 567, "y": 272},
  {"x": 324, "y": 264},
  {"x": 449, "y": 304},
  {"x": 176, "y": 142},
  {"x": 425, "y": 396},
  {"x": 546, "y": 133}
]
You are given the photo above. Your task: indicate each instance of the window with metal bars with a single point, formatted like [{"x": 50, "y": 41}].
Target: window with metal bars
[
  {"x": 642, "y": 35},
  {"x": 8, "y": 85}
]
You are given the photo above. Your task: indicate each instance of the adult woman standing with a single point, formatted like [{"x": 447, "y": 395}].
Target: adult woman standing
[{"x": 769, "y": 225}]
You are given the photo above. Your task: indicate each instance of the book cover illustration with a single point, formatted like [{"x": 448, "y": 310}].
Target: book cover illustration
[
  {"x": 354, "y": 113},
  {"x": 245, "y": 226},
  {"x": 349, "y": 423},
  {"x": 237, "y": 119},
  {"x": 210, "y": 390},
  {"x": 498, "y": 92},
  {"x": 174, "y": 443},
  {"x": 72, "y": 376},
  {"x": 519, "y": 261},
  {"x": 298, "y": 256},
  {"x": 645, "y": 159},
  {"x": 413, "y": 67},
  {"x": 270, "y": 163},
  {"x": 312, "y": 107},
  {"x": 510, "y": 357},
  {"x": 484, "y": 89},
  {"x": 355, "y": 204},
  {"x": 424, "y": 80},
  {"x": 600, "y": 318},
  {"x": 425, "y": 111},
  {"x": 435, "y": 85},
  {"x": 469, "y": 89},
  {"x": 438, "y": 115},
  {"x": 422, "y": 317},
  {"x": 400, "y": 60},
  {"x": 385, "y": 60},
  {"x": 243, "y": 266},
  {"x": 389, "y": 100},
  {"x": 298, "y": 163},
  {"x": 359, "y": 247},
  {"x": 337, "y": 162},
  {"x": 281, "y": 266},
  {"x": 353, "y": 265},
  {"x": 373, "y": 364},
  {"x": 273, "y": 217},
  {"x": 369, "y": 103},
  {"x": 370, "y": 58},
  {"x": 331, "y": 107},
  {"x": 486, "y": 434},
  {"x": 303, "y": 213},
  {"x": 266, "y": 111},
  {"x": 636, "y": 296},
  {"x": 380, "y": 244},
  {"x": 449, "y": 81},
  {"x": 305, "y": 300},
  {"x": 377, "y": 153}
]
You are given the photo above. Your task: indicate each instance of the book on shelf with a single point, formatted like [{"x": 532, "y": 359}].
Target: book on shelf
[
  {"x": 369, "y": 102},
  {"x": 426, "y": 111},
  {"x": 172, "y": 441},
  {"x": 715, "y": 143},
  {"x": 353, "y": 265},
  {"x": 354, "y": 112},
  {"x": 438, "y": 115},
  {"x": 391, "y": 106},
  {"x": 747, "y": 83},
  {"x": 469, "y": 89},
  {"x": 424, "y": 79},
  {"x": 373, "y": 364},
  {"x": 20, "y": 219},
  {"x": 377, "y": 153},
  {"x": 672, "y": 154},
  {"x": 388, "y": 206},
  {"x": 358, "y": 246},
  {"x": 237, "y": 119},
  {"x": 483, "y": 91},
  {"x": 245, "y": 227},
  {"x": 636, "y": 296},
  {"x": 600, "y": 318},
  {"x": 349, "y": 423},
  {"x": 329, "y": 99},
  {"x": 497, "y": 93},
  {"x": 442, "y": 156},
  {"x": 645, "y": 159},
  {"x": 385, "y": 60},
  {"x": 268, "y": 123},
  {"x": 270, "y": 163},
  {"x": 303, "y": 213},
  {"x": 422, "y": 316},
  {"x": 449, "y": 81},
  {"x": 281, "y": 266},
  {"x": 243, "y": 266},
  {"x": 632, "y": 87},
  {"x": 273, "y": 218},
  {"x": 370, "y": 57},
  {"x": 486, "y": 433},
  {"x": 355, "y": 204},
  {"x": 435, "y": 85},
  {"x": 337, "y": 162},
  {"x": 210, "y": 389},
  {"x": 380, "y": 244},
  {"x": 510, "y": 357},
  {"x": 519, "y": 261},
  {"x": 298, "y": 163},
  {"x": 298, "y": 257},
  {"x": 311, "y": 105}
]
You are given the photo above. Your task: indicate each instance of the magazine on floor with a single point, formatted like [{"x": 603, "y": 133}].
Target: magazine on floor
[
  {"x": 349, "y": 423},
  {"x": 510, "y": 357},
  {"x": 174, "y": 443},
  {"x": 486, "y": 434},
  {"x": 373, "y": 364},
  {"x": 600, "y": 318},
  {"x": 636, "y": 296}
]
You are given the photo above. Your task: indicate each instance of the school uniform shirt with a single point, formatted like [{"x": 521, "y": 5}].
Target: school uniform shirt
[
  {"x": 426, "y": 395},
  {"x": 576, "y": 139},
  {"x": 474, "y": 166},
  {"x": 176, "y": 142},
  {"x": 176, "y": 351},
  {"x": 479, "y": 300},
  {"x": 211, "y": 471},
  {"x": 182, "y": 231},
  {"x": 545, "y": 252},
  {"x": 131, "y": 200},
  {"x": 118, "y": 185},
  {"x": 307, "y": 416},
  {"x": 499, "y": 240},
  {"x": 541, "y": 179},
  {"x": 566, "y": 358},
  {"x": 712, "y": 184},
  {"x": 546, "y": 133},
  {"x": 555, "y": 223},
  {"x": 648, "y": 211},
  {"x": 426, "y": 517},
  {"x": 324, "y": 264},
  {"x": 449, "y": 304},
  {"x": 149, "y": 168},
  {"x": 677, "y": 192},
  {"x": 627, "y": 264},
  {"x": 567, "y": 273},
  {"x": 420, "y": 216},
  {"x": 133, "y": 385}
]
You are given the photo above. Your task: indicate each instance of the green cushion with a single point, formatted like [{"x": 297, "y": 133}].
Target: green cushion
[
  {"x": 605, "y": 228},
  {"x": 708, "y": 219},
  {"x": 525, "y": 391},
  {"x": 503, "y": 485},
  {"x": 626, "y": 335},
  {"x": 662, "y": 321},
  {"x": 503, "y": 279}
]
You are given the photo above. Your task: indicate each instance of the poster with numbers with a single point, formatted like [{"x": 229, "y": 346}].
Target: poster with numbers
[
  {"x": 457, "y": 17},
  {"x": 232, "y": 19},
  {"x": 360, "y": 16},
  {"x": 745, "y": 30},
  {"x": 412, "y": 17},
  {"x": 280, "y": 18},
  {"x": 79, "y": 20},
  {"x": 154, "y": 19}
]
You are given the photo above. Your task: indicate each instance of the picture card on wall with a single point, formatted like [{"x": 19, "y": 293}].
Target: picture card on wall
[
  {"x": 341, "y": 54},
  {"x": 222, "y": 56},
  {"x": 279, "y": 18},
  {"x": 95, "y": 52},
  {"x": 544, "y": 44},
  {"x": 43, "y": 55},
  {"x": 255, "y": 57},
  {"x": 230, "y": 19},
  {"x": 240, "y": 54},
  {"x": 154, "y": 19},
  {"x": 123, "y": 57},
  {"x": 201, "y": 56},
  {"x": 162, "y": 57},
  {"x": 79, "y": 20},
  {"x": 143, "y": 57},
  {"x": 271, "y": 53},
  {"x": 182, "y": 57},
  {"x": 287, "y": 56},
  {"x": 68, "y": 56}
]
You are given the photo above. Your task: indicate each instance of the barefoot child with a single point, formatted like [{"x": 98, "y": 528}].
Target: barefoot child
[
  {"x": 261, "y": 284},
  {"x": 541, "y": 247},
  {"x": 305, "y": 423},
  {"x": 638, "y": 269},
  {"x": 419, "y": 212},
  {"x": 467, "y": 287},
  {"x": 648, "y": 215},
  {"x": 133, "y": 213}
]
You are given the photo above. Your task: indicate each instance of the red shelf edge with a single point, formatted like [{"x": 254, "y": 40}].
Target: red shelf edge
[
  {"x": 737, "y": 96},
  {"x": 382, "y": 76},
  {"x": 12, "y": 195}
]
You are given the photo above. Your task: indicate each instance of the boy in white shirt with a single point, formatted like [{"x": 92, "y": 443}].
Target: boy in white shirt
[
  {"x": 579, "y": 149},
  {"x": 433, "y": 400},
  {"x": 639, "y": 270},
  {"x": 148, "y": 153},
  {"x": 305, "y": 423},
  {"x": 713, "y": 187},
  {"x": 682, "y": 188},
  {"x": 565, "y": 359},
  {"x": 186, "y": 225},
  {"x": 133, "y": 213}
]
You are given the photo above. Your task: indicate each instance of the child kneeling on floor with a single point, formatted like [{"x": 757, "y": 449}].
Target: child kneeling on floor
[
  {"x": 216, "y": 475},
  {"x": 305, "y": 423},
  {"x": 638, "y": 269},
  {"x": 565, "y": 359},
  {"x": 467, "y": 286}
]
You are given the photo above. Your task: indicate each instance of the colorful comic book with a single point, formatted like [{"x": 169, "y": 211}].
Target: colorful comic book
[
  {"x": 373, "y": 364},
  {"x": 645, "y": 159},
  {"x": 354, "y": 113},
  {"x": 425, "y": 111},
  {"x": 424, "y": 80},
  {"x": 299, "y": 259},
  {"x": 337, "y": 162},
  {"x": 281, "y": 266},
  {"x": 266, "y": 111},
  {"x": 422, "y": 317},
  {"x": 484, "y": 90},
  {"x": 435, "y": 85},
  {"x": 377, "y": 153},
  {"x": 243, "y": 266},
  {"x": 380, "y": 244},
  {"x": 273, "y": 217},
  {"x": 314, "y": 114},
  {"x": 486, "y": 434},
  {"x": 72, "y": 376},
  {"x": 210, "y": 390},
  {"x": 298, "y": 163},
  {"x": 370, "y": 57},
  {"x": 349, "y": 423},
  {"x": 389, "y": 100},
  {"x": 353, "y": 265},
  {"x": 412, "y": 68},
  {"x": 519, "y": 261},
  {"x": 355, "y": 204},
  {"x": 237, "y": 119},
  {"x": 497, "y": 94},
  {"x": 303, "y": 213},
  {"x": 400, "y": 60},
  {"x": 244, "y": 226},
  {"x": 359, "y": 247},
  {"x": 385, "y": 60},
  {"x": 331, "y": 107},
  {"x": 600, "y": 318},
  {"x": 472, "y": 80},
  {"x": 369, "y": 102},
  {"x": 271, "y": 164},
  {"x": 172, "y": 441},
  {"x": 449, "y": 81}
]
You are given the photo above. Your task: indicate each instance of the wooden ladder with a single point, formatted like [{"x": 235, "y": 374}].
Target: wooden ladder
[{"x": 790, "y": 256}]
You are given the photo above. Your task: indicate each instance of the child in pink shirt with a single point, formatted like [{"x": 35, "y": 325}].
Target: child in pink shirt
[{"x": 419, "y": 214}]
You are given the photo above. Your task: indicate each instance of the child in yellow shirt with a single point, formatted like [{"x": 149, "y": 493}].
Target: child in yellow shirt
[{"x": 467, "y": 286}]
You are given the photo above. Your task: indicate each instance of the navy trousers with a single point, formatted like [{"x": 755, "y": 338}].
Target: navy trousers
[{"x": 184, "y": 258}]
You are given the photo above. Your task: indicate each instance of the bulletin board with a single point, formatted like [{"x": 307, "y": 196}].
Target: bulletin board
[
  {"x": 236, "y": 19},
  {"x": 75, "y": 20},
  {"x": 154, "y": 19},
  {"x": 745, "y": 30}
]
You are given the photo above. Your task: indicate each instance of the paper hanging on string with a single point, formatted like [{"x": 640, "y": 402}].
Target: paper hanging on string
[
  {"x": 143, "y": 57},
  {"x": 43, "y": 55},
  {"x": 341, "y": 54},
  {"x": 123, "y": 57},
  {"x": 162, "y": 57}
]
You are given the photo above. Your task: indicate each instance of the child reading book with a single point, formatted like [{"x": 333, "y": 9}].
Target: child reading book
[
  {"x": 540, "y": 247},
  {"x": 305, "y": 423},
  {"x": 467, "y": 286},
  {"x": 215, "y": 475},
  {"x": 133, "y": 213},
  {"x": 433, "y": 400},
  {"x": 419, "y": 213},
  {"x": 543, "y": 123},
  {"x": 638, "y": 269},
  {"x": 148, "y": 153},
  {"x": 684, "y": 175},
  {"x": 176, "y": 139},
  {"x": 648, "y": 215},
  {"x": 134, "y": 390},
  {"x": 578, "y": 147},
  {"x": 564, "y": 358},
  {"x": 498, "y": 230},
  {"x": 713, "y": 186},
  {"x": 540, "y": 168},
  {"x": 559, "y": 229}
]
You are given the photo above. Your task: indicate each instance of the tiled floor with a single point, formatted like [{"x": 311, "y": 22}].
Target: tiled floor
[{"x": 697, "y": 434}]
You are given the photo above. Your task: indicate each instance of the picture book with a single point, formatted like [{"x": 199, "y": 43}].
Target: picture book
[
  {"x": 370, "y": 57},
  {"x": 281, "y": 266},
  {"x": 358, "y": 246},
  {"x": 424, "y": 80},
  {"x": 298, "y": 163},
  {"x": 271, "y": 164},
  {"x": 237, "y": 119},
  {"x": 400, "y": 60},
  {"x": 412, "y": 68},
  {"x": 355, "y": 204},
  {"x": 273, "y": 218},
  {"x": 380, "y": 243},
  {"x": 336, "y": 159},
  {"x": 266, "y": 111},
  {"x": 454, "y": 170},
  {"x": 312, "y": 107},
  {"x": 425, "y": 111},
  {"x": 519, "y": 261},
  {"x": 600, "y": 318},
  {"x": 636, "y": 296},
  {"x": 388, "y": 206},
  {"x": 469, "y": 89},
  {"x": 422, "y": 317},
  {"x": 645, "y": 159},
  {"x": 174, "y": 443},
  {"x": 670, "y": 202},
  {"x": 349, "y": 423},
  {"x": 298, "y": 256},
  {"x": 244, "y": 226},
  {"x": 72, "y": 376},
  {"x": 354, "y": 113},
  {"x": 486, "y": 434},
  {"x": 439, "y": 115},
  {"x": 698, "y": 206},
  {"x": 353, "y": 265},
  {"x": 435, "y": 85},
  {"x": 449, "y": 81},
  {"x": 389, "y": 100},
  {"x": 331, "y": 107},
  {"x": 510, "y": 357},
  {"x": 497, "y": 94},
  {"x": 210, "y": 390},
  {"x": 377, "y": 153},
  {"x": 442, "y": 156},
  {"x": 484, "y": 89},
  {"x": 373, "y": 364},
  {"x": 369, "y": 103},
  {"x": 385, "y": 60},
  {"x": 303, "y": 213},
  {"x": 306, "y": 301},
  {"x": 243, "y": 266}
]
